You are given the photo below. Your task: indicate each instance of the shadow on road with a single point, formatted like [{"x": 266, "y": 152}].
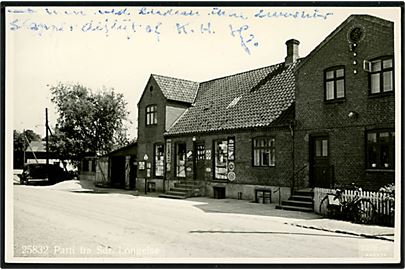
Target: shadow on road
[
  {"x": 233, "y": 206},
  {"x": 280, "y": 233}
]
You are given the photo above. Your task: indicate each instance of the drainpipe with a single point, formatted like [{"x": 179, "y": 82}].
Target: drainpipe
[
  {"x": 164, "y": 165},
  {"x": 291, "y": 126}
]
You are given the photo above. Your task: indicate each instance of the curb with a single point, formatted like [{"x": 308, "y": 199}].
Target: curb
[{"x": 341, "y": 232}]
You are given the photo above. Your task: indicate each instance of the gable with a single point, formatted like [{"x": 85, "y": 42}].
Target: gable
[
  {"x": 177, "y": 89},
  {"x": 351, "y": 20}
]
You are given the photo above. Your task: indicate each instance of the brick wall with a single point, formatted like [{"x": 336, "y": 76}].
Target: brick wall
[
  {"x": 246, "y": 174},
  {"x": 149, "y": 136},
  {"x": 346, "y": 135}
]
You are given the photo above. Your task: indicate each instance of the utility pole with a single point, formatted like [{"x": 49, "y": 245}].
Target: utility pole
[
  {"x": 24, "y": 148},
  {"x": 46, "y": 136}
]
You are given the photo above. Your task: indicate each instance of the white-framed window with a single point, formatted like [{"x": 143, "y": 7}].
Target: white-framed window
[
  {"x": 380, "y": 149},
  {"x": 334, "y": 79},
  {"x": 151, "y": 115},
  {"x": 264, "y": 152},
  {"x": 381, "y": 74}
]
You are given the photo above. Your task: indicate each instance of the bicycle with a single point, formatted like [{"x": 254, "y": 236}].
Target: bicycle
[{"x": 358, "y": 210}]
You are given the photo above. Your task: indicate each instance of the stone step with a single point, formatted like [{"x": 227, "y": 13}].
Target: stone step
[
  {"x": 186, "y": 186},
  {"x": 308, "y": 193},
  {"x": 291, "y": 202},
  {"x": 171, "y": 196},
  {"x": 180, "y": 189},
  {"x": 295, "y": 208},
  {"x": 177, "y": 193},
  {"x": 301, "y": 198}
]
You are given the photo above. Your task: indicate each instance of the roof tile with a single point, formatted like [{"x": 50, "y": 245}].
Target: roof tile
[{"x": 263, "y": 95}]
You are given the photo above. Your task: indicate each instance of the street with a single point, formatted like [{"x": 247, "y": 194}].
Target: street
[{"x": 60, "y": 223}]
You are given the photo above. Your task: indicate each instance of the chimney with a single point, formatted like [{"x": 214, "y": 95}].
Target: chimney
[{"x": 292, "y": 51}]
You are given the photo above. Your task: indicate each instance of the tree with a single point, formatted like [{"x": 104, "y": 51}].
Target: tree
[
  {"x": 88, "y": 122},
  {"x": 21, "y": 141}
]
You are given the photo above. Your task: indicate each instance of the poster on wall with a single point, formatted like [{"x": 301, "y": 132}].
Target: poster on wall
[
  {"x": 208, "y": 154},
  {"x": 141, "y": 165},
  {"x": 231, "y": 148},
  {"x": 168, "y": 154}
]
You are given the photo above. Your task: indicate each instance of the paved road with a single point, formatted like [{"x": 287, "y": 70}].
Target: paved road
[{"x": 54, "y": 223}]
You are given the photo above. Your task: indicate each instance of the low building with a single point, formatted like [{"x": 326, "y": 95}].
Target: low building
[
  {"x": 116, "y": 169},
  {"x": 36, "y": 153},
  {"x": 235, "y": 140}
]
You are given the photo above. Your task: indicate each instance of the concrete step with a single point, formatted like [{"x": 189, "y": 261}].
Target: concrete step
[
  {"x": 291, "y": 202},
  {"x": 180, "y": 189},
  {"x": 177, "y": 193},
  {"x": 295, "y": 208},
  {"x": 308, "y": 193},
  {"x": 170, "y": 196},
  {"x": 302, "y": 198},
  {"x": 186, "y": 186}
]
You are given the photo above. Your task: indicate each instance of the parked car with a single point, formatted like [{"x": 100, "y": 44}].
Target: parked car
[{"x": 49, "y": 174}]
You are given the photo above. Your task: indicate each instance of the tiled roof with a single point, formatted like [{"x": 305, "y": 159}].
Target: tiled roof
[
  {"x": 251, "y": 99},
  {"x": 36, "y": 146},
  {"x": 177, "y": 89}
]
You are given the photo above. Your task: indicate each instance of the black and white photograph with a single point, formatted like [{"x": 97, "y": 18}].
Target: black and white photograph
[{"x": 164, "y": 133}]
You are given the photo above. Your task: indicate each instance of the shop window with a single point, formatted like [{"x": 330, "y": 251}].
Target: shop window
[
  {"x": 334, "y": 83},
  {"x": 380, "y": 149},
  {"x": 181, "y": 160},
  {"x": 221, "y": 159},
  {"x": 264, "y": 152},
  {"x": 159, "y": 160},
  {"x": 151, "y": 115}
]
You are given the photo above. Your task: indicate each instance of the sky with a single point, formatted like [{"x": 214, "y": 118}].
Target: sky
[{"x": 119, "y": 47}]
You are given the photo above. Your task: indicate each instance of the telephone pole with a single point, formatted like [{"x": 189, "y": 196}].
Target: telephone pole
[{"x": 46, "y": 136}]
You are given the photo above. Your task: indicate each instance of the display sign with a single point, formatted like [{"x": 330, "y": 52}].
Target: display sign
[
  {"x": 231, "y": 176},
  {"x": 147, "y": 172},
  {"x": 208, "y": 154},
  {"x": 231, "y": 166},
  {"x": 148, "y": 165},
  {"x": 189, "y": 155},
  {"x": 168, "y": 154},
  {"x": 141, "y": 165},
  {"x": 231, "y": 148}
]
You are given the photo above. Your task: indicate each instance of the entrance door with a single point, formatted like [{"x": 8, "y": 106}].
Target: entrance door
[
  {"x": 118, "y": 172},
  {"x": 132, "y": 172},
  {"x": 319, "y": 162},
  {"x": 199, "y": 159}
]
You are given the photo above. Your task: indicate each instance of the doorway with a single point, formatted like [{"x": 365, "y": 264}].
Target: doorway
[
  {"x": 199, "y": 160},
  {"x": 320, "y": 170}
]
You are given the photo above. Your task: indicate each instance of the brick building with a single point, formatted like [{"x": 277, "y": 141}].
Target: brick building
[
  {"x": 344, "y": 107},
  {"x": 235, "y": 140},
  {"x": 163, "y": 100},
  {"x": 320, "y": 121}
]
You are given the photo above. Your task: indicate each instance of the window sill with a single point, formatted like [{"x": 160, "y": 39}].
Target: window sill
[
  {"x": 380, "y": 170},
  {"x": 336, "y": 100},
  {"x": 151, "y": 125},
  {"x": 379, "y": 95}
]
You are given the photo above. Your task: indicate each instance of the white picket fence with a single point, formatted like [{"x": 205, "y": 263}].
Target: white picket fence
[{"x": 384, "y": 207}]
